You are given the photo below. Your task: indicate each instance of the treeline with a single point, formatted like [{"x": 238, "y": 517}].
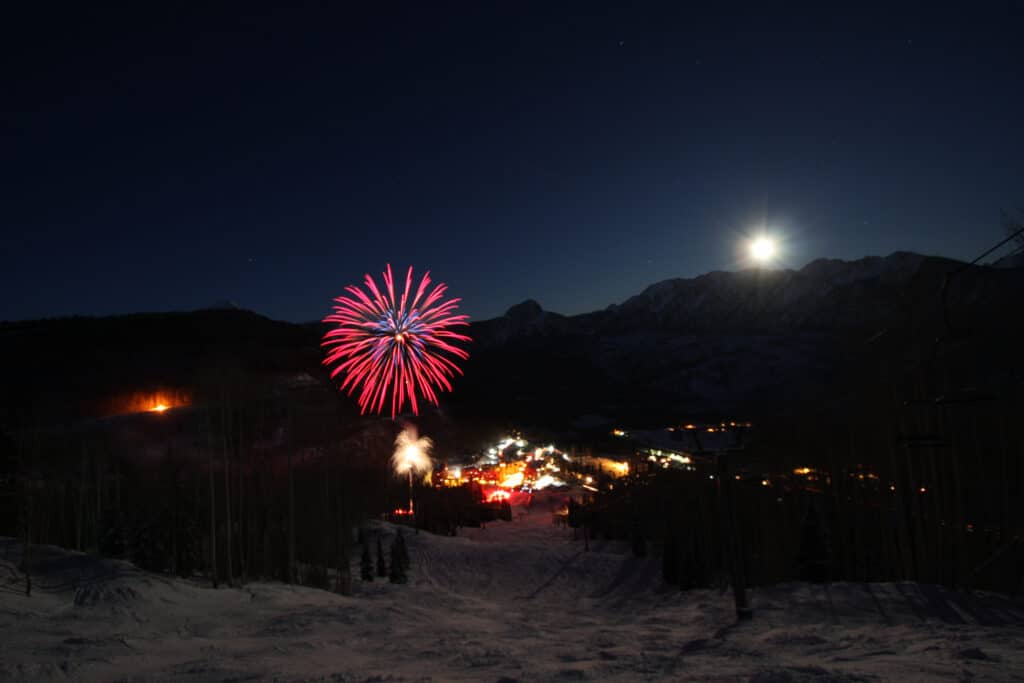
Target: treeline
[
  {"x": 923, "y": 486},
  {"x": 254, "y": 480},
  {"x": 443, "y": 510}
]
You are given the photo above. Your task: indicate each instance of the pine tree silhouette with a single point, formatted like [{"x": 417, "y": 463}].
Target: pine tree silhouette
[
  {"x": 382, "y": 567},
  {"x": 813, "y": 555},
  {"x": 575, "y": 514},
  {"x": 397, "y": 569},
  {"x": 403, "y": 551},
  {"x": 638, "y": 540},
  {"x": 670, "y": 557},
  {"x": 366, "y": 564}
]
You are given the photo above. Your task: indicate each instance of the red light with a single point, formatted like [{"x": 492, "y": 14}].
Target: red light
[{"x": 498, "y": 495}]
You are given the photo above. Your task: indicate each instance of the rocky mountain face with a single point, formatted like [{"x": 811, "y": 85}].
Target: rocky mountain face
[{"x": 739, "y": 342}]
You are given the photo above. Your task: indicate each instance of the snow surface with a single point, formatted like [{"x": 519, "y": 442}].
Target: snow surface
[{"x": 517, "y": 601}]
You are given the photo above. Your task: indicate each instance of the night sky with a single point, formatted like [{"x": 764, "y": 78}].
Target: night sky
[{"x": 167, "y": 158}]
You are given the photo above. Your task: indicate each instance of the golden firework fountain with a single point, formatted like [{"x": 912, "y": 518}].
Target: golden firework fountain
[{"x": 411, "y": 456}]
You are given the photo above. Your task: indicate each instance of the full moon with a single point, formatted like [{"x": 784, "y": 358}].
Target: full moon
[{"x": 762, "y": 249}]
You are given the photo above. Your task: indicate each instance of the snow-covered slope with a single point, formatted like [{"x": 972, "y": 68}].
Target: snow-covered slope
[{"x": 515, "y": 601}]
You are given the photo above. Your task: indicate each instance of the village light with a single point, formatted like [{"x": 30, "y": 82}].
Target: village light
[
  {"x": 512, "y": 481},
  {"x": 622, "y": 468}
]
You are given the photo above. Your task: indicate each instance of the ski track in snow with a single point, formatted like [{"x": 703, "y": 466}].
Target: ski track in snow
[{"x": 518, "y": 601}]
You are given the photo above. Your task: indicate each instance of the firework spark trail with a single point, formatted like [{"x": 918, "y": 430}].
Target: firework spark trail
[{"x": 383, "y": 344}]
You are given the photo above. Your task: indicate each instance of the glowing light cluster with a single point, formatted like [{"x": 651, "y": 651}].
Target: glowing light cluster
[
  {"x": 403, "y": 346},
  {"x": 498, "y": 495},
  {"x": 545, "y": 481},
  {"x": 512, "y": 481},
  {"x": 412, "y": 452}
]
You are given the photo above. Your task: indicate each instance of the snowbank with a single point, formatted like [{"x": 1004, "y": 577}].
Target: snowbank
[{"x": 514, "y": 601}]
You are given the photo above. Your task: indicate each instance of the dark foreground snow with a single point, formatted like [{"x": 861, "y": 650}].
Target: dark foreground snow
[{"x": 516, "y": 601}]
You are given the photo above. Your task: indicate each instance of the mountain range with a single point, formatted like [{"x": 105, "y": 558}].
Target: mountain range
[
  {"x": 753, "y": 341},
  {"x": 749, "y": 342}
]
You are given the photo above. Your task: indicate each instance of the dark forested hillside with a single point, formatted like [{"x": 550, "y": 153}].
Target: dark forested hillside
[{"x": 750, "y": 342}]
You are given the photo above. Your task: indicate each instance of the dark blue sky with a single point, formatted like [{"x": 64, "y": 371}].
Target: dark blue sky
[{"x": 163, "y": 158}]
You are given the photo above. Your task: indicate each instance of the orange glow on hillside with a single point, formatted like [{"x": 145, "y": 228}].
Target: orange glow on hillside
[{"x": 159, "y": 402}]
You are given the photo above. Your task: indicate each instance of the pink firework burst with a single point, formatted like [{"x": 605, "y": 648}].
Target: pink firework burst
[{"x": 398, "y": 346}]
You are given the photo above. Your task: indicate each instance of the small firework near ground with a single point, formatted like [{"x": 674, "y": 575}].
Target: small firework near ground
[
  {"x": 385, "y": 344},
  {"x": 411, "y": 457}
]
